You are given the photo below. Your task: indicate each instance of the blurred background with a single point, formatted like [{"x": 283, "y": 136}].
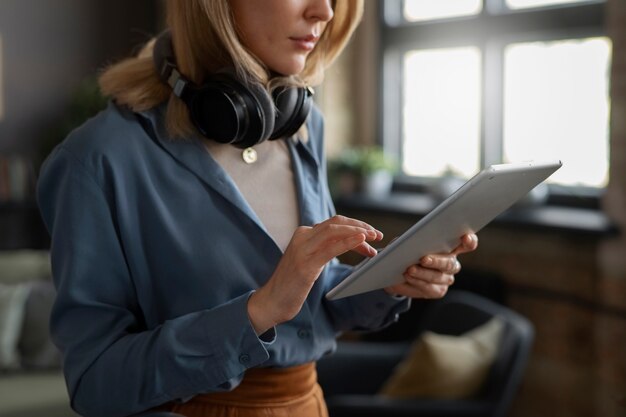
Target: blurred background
[{"x": 427, "y": 93}]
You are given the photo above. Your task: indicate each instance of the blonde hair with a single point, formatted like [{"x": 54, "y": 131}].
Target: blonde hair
[{"x": 205, "y": 39}]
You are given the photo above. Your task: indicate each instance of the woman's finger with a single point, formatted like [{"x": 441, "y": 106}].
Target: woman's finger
[
  {"x": 431, "y": 276},
  {"x": 336, "y": 248},
  {"x": 348, "y": 221},
  {"x": 418, "y": 290},
  {"x": 324, "y": 234},
  {"x": 365, "y": 249},
  {"x": 444, "y": 263},
  {"x": 469, "y": 243}
]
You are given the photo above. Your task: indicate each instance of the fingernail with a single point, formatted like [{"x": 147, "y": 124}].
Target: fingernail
[{"x": 427, "y": 260}]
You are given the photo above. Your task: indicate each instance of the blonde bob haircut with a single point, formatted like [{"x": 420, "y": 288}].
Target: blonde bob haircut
[{"x": 205, "y": 39}]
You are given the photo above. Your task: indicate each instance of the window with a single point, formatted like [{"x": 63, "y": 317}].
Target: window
[
  {"x": 569, "y": 123},
  {"x": 469, "y": 83},
  {"x": 423, "y": 10},
  {"x": 525, "y": 4},
  {"x": 442, "y": 110}
]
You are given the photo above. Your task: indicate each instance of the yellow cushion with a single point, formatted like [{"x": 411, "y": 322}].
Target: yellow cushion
[{"x": 446, "y": 367}]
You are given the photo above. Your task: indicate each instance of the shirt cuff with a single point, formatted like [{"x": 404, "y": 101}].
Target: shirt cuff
[
  {"x": 269, "y": 336},
  {"x": 382, "y": 300}
]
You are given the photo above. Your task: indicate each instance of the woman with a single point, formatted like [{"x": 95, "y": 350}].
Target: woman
[{"x": 191, "y": 259}]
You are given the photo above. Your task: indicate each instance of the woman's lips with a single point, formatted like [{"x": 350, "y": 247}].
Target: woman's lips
[{"x": 306, "y": 43}]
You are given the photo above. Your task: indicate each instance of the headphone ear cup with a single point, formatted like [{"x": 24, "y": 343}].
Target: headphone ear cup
[
  {"x": 261, "y": 109},
  {"x": 292, "y": 108},
  {"x": 217, "y": 114},
  {"x": 226, "y": 110}
]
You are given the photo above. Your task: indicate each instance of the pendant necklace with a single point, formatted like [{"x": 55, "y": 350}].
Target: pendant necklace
[{"x": 249, "y": 155}]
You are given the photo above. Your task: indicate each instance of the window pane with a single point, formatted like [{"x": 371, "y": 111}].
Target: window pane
[
  {"x": 556, "y": 106},
  {"x": 526, "y": 4},
  {"x": 442, "y": 111},
  {"x": 419, "y": 10}
]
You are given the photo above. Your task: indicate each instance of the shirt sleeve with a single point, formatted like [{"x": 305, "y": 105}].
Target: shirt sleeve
[
  {"x": 113, "y": 363},
  {"x": 368, "y": 311}
]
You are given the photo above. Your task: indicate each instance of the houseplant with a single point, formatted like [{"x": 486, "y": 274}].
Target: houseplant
[{"x": 366, "y": 169}]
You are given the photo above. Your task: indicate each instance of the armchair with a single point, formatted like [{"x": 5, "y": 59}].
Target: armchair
[{"x": 352, "y": 376}]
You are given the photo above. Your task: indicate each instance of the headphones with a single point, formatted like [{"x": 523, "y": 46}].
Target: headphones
[{"x": 228, "y": 110}]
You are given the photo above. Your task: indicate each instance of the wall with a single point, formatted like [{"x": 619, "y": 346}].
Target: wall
[
  {"x": 48, "y": 47},
  {"x": 572, "y": 286},
  {"x": 347, "y": 95}
]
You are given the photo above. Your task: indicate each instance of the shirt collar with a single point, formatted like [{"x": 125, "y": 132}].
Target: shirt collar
[{"x": 191, "y": 153}]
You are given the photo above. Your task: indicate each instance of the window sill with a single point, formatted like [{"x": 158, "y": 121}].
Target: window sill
[{"x": 544, "y": 218}]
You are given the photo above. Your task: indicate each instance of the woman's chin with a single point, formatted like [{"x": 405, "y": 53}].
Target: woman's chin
[{"x": 292, "y": 67}]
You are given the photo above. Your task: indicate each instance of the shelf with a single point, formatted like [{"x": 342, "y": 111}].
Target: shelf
[{"x": 548, "y": 218}]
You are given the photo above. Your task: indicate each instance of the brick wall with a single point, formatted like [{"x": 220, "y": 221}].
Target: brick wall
[
  {"x": 577, "y": 367},
  {"x": 610, "y": 331},
  {"x": 555, "y": 279},
  {"x": 613, "y": 256},
  {"x": 571, "y": 286}
]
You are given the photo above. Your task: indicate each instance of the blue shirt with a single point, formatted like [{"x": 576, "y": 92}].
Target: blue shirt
[{"x": 154, "y": 255}]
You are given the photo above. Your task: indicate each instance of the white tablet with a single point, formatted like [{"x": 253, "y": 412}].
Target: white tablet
[{"x": 469, "y": 209}]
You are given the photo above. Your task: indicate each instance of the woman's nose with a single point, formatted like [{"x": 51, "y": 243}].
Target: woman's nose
[{"x": 321, "y": 10}]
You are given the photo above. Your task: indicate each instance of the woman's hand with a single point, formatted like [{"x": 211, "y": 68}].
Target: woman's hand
[
  {"x": 434, "y": 273},
  {"x": 309, "y": 250}
]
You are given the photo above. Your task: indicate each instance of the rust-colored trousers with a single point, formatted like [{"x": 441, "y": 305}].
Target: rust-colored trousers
[{"x": 267, "y": 392}]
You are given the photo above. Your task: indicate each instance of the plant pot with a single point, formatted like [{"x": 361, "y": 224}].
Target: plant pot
[
  {"x": 378, "y": 183},
  {"x": 445, "y": 186}
]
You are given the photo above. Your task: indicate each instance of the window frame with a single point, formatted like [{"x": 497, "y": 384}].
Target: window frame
[
  {"x": 2, "y": 87},
  {"x": 491, "y": 31}
]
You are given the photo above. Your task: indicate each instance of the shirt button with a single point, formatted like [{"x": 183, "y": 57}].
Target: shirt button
[
  {"x": 304, "y": 333},
  {"x": 244, "y": 359}
]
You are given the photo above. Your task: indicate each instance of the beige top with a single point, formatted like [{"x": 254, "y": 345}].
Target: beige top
[{"x": 268, "y": 184}]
